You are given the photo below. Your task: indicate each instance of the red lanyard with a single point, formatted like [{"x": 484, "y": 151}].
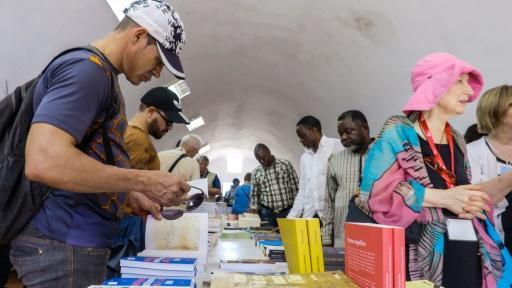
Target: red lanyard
[{"x": 437, "y": 156}]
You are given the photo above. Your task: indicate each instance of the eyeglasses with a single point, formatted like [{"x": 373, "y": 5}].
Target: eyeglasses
[
  {"x": 446, "y": 174},
  {"x": 192, "y": 203},
  {"x": 167, "y": 121}
]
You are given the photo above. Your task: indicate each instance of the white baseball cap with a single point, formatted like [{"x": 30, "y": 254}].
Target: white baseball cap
[{"x": 164, "y": 24}]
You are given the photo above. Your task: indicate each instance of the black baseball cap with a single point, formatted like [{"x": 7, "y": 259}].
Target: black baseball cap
[{"x": 166, "y": 101}]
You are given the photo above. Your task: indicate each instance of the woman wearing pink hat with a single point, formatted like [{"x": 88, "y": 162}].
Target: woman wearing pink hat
[{"x": 417, "y": 172}]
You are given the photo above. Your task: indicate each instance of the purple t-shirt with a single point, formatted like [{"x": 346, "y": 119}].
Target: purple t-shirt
[{"x": 70, "y": 96}]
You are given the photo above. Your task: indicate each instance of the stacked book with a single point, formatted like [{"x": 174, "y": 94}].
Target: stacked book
[
  {"x": 247, "y": 220},
  {"x": 234, "y": 233},
  {"x": 302, "y": 244},
  {"x": 334, "y": 259},
  {"x": 273, "y": 249},
  {"x": 151, "y": 282},
  {"x": 214, "y": 224},
  {"x": 156, "y": 267},
  {"x": 375, "y": 255},
  {"x": 317, "y": 280},
  {"x": 213, "y": 238},
  {"x": 253, "y": 266}
]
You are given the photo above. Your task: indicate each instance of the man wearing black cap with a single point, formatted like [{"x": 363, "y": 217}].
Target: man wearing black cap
[{"x": 159, "y": 109}]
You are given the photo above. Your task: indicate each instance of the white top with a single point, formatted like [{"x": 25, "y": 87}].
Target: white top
[
  {"x": 485, "y": 166},
  {"x": 312, "y": 179},
  {"x": 188, "y": 168}
]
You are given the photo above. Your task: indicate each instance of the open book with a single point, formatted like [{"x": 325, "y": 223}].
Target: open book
[{"x": 185, "y": 237}]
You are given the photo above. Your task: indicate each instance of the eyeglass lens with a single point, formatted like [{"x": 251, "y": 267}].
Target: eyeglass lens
[{"x": 192, "y": 203}]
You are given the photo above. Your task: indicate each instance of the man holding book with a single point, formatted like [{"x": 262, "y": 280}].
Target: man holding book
[{"x": 344, "y": 174}]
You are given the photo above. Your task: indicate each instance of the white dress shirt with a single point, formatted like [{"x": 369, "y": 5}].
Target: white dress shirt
[{"x": 312, "y": 179}]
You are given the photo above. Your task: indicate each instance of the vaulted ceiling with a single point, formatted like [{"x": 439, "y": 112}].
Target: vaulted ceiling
[{"x": 256, "y": 66}]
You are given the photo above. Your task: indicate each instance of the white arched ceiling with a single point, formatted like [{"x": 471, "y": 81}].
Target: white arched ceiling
[{"x": 255, "y": 67}]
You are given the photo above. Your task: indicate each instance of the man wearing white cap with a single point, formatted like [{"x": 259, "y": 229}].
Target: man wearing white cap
[{"x": 76, "y": 146}]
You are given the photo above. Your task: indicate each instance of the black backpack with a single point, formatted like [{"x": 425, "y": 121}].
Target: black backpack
[{"x": 20, "y": 198}]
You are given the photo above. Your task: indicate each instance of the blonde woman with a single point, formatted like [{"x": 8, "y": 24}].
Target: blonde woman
[{"x": 491, "y": 156}]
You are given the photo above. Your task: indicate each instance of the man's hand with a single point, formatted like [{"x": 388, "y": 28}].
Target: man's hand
[
  {"x": 164, "y": 188},
  {"x": 142, "y": 205},
  {"x": 213, "y": 192}
]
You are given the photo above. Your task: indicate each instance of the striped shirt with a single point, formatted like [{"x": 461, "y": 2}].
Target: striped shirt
[
  {"x": 342, "y": 181},
  {"x": 275, "y": 186}
]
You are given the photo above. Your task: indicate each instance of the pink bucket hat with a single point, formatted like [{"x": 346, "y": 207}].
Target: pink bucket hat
[{"x": 433, "y": 75}]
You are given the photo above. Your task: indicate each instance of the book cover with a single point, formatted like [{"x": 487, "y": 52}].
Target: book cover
[
  {"x": 315, "y": 245},
  {"x": 420, "y": 284},
  {"x": 138, "y": 276},
  {"x": 369, "y": 254},
  {"x": 334, "y": 256},
  {"x": 152, "y": 282},
  {"x": 277, "y": 255},
  {"x": 156, "y": 272},
  {"x": 318, "y": 280},
  {"x": 269, "y": 242},
  {"x": 294, "y": 233},
  {"x": 162, "y": 263},
  {"x": 399, "y": 257}
]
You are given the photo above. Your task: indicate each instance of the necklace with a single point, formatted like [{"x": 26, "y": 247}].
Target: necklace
[{"x": 495, "y": 152}]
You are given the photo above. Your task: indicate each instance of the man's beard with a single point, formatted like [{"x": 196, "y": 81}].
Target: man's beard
[
  {"x": 154, "y": 131},
  {"x": 354, "y": 148}
]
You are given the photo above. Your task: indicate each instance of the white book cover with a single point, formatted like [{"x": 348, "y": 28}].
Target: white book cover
[{"x": 184, "y": 237}]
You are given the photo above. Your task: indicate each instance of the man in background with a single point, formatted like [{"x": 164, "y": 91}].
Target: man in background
[
  {"x": 159, "y": 109},
  {"x": 310, "y": 200},
  {"x": 212, "y": 178},
  {"x": 180, "y": 161},
  {"x": 242, "y": 196},
  {"x": 275, "y": 185},
  {"x": 229, "y": 196},
  {"x": 344, "y": 175}
]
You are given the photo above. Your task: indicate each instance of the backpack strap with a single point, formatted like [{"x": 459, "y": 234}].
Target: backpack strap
[
  {"x": 110, "y": 107},
  {"x": 176, "y": 162}
]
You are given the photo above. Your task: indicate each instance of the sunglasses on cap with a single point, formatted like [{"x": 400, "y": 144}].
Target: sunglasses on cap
[{"x": 192, "y": 203}]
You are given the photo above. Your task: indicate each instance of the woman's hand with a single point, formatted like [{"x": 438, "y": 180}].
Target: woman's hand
[{"x": 467, "y": 201}]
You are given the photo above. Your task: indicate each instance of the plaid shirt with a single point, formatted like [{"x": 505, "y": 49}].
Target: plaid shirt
[{"x": 275, "y": 186}]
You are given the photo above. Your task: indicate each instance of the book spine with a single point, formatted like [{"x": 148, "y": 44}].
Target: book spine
[
  {"x": 315, "y": 245},
  {"x": 304, "y": 254},
  {"x": 387, "y": 257},
  {"x": 399, "y": 257}
]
